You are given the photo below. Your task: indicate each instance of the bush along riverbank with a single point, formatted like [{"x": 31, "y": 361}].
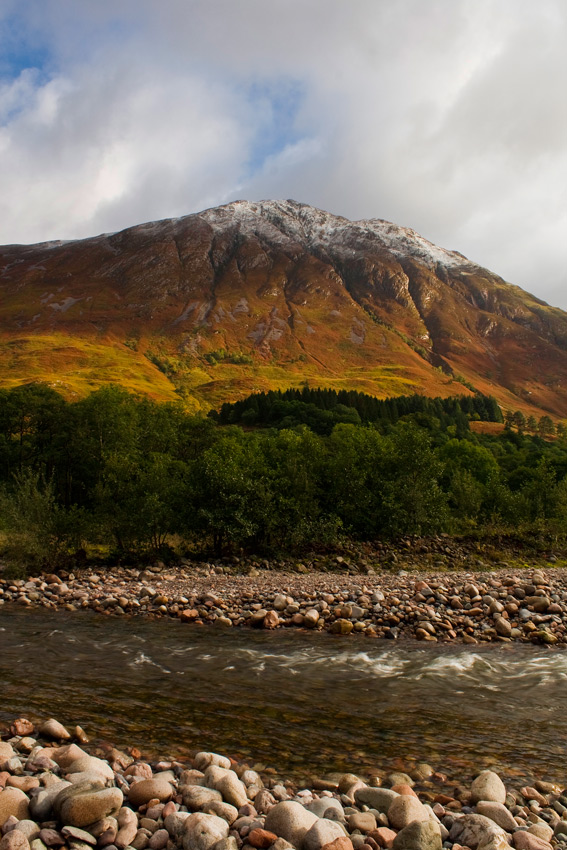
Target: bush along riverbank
[
  {"x": 56, "y": 794},
  {"x": 504, "y": 605}
]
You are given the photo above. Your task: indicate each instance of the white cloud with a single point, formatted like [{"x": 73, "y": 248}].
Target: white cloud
[{"x": 446, "y": 116}]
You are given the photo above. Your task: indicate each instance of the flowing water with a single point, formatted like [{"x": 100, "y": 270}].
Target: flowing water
[{"x": 304, "y": 704}]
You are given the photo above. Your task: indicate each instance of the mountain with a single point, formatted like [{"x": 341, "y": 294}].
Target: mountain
[{"x": 251, "y": 296}]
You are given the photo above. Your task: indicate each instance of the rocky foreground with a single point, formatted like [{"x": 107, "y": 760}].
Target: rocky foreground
[
  {"x": 54, "y": 794},
  {"x": 504, "y": 605}
]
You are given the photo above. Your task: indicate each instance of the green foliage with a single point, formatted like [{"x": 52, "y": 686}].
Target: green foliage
[
  {"x": 221, "y": 355},
  {"x": 40, "y": 531},
  {"x": 125, "y": 472}
]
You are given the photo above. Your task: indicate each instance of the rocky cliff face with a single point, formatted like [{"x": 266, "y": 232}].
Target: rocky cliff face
[{"x": 252, "y": 295}]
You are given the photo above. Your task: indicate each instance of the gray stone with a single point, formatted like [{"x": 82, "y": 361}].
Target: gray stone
[
  {"x": 41, "y": 804},
  {"x": 232, "y": 789},
  {"x": 202, "y": 832},
  {"x": 377, "y": 798},
  {"x": 419, "y": 835},
  {"x": 498, "y": 813},
  {"x": 474, "y": 831},
  {"x": 404, "y": 810},
  {"x": 321, "y": 807},
  {"x": 203, "y": 760},
  {"x": 488, "y": 786},
  {"x": 14, "y": 840},
  {"x": 290, "y": 820},
  {"x": 323, "y": 831},
  {"x": 223, "y": 810},
  {"x": 196, "y": 797},
  {"x": 29, "y": 827},
  {"x": 175, "y": 822},
  {"x": 53, "y": 729},
  {"x": 91, "y": 764}
]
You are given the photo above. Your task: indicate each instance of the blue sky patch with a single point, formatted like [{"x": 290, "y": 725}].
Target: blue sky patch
[{"x": 280, "y": 103}]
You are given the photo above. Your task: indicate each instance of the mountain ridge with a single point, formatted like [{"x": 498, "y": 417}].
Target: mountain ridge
[{"x": 269, "y": 294}]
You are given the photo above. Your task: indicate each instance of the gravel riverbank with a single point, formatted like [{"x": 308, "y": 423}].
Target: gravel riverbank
[
  {"x": 468, "y": 607},
  {"x": 54, "y": 793}
]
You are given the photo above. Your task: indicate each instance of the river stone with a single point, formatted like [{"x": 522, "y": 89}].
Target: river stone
[
  {"x": 65, "y": 756},
  {"x": 342, "y": 627},
  {"x": 475, "y": 830},
  {"x": 542, "y": 830},
  {"x": 214, "y": 774},
  {"x": 224, "y": 810},
  {"x": 14, "y": 840},
  {"x": 364, "y": 821},
  {"x": 377, "y": 798},
  {"x": 251, "y": 777},
  {"x": 341, "y": 843},
  {"x": 51, "y": 838},
  {"x": 159, "y": 839},
  {"x": 29, "y": 828},
  {"x": 261, "y": 838},
  {"x": 383, "y": 836},
  {"x": 13, "y": 802},
  {"x": 228, "y": 843},
  {"x": 174, "y": 823},
  {"x": 150, "y": 789},
  {"x": 232, "y": 789},
  {"x": 524, "y": 840},
  {"x": 81, "y": 805},
  {"x": 488, "y": 786},
  {"x": 204, "y": 759},
  {"x": 196, "y": 797},
  {"x": 201, "y": 831},
  {"x": 6, "y": 752},
  {"x": 290, "y": 820},
  {"x": 419, "y": 835},
  {"x": 498, "y": 813},
  {"x": 404, "y": 810},
  {"x": 560, "y": 828},
  {"x": 41, "y": 804},
  {"x": 322, "y": 832},
  {"x": 321, "y": 806},
  {"x": 53, "y": 729},
  {"x": 190, "y": 777},
  {"x": 264, "y": 801},
  {"x": 90, "y": 764},
  {"x": 128, "y": 827},
  {"x": 76, "y": 834}
]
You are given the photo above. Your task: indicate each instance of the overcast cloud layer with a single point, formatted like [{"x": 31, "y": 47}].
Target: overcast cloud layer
[{"x": 448, "y": 116}]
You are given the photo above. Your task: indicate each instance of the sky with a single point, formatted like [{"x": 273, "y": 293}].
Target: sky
[{"x": 446, "y": 116}]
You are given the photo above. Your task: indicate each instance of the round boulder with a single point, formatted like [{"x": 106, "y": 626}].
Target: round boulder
[
  {"x": 13, "y": 802},
  {"x": 291, "y": 821},
  {"x": 404, "y": 810},
  {"x": 201, "y": 832},
  {"x": 419, "y": 835},
  {"x": 150, "y": 789},
  {"x": 322, "y": 832},
  {"x": 488, "y": 786},
  {"x": 475, "y": 830},
  {"x": 82, "y": 804}
]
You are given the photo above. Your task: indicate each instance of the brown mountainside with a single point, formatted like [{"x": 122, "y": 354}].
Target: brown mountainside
[{"x": 253, "y": 296}]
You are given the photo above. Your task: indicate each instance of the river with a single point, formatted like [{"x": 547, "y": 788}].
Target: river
[{"x": 304, "y": 704}]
